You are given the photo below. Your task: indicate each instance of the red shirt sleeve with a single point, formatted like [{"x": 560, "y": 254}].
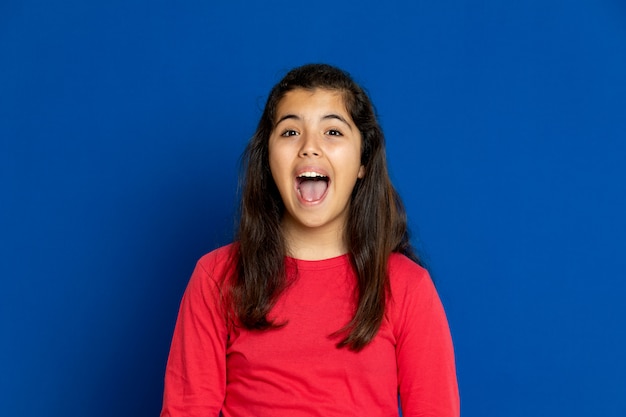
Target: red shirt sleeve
[
  {"x": 195, "y": 377},
  {"x": 426, "y": 369}
]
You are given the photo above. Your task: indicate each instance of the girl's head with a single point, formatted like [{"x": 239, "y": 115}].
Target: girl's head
[{"x": 259, "y": 187}]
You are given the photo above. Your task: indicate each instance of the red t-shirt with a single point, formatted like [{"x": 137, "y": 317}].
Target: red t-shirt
[{"x": 296, "y": 370}]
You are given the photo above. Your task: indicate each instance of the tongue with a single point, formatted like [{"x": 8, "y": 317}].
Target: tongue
[{"x": 312, "y": 190}]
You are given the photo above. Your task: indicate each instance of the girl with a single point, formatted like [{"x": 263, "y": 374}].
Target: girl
[{"x": 320, "y": 307}]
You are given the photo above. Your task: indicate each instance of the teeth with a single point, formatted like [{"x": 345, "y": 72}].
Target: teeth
[{"x": 311, "y": 174}]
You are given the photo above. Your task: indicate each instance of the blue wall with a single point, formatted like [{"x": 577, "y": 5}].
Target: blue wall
[{"x": 121, "y": 124}]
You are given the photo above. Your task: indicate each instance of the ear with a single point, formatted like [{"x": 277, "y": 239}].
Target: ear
[{"x": 361, "y": 173}]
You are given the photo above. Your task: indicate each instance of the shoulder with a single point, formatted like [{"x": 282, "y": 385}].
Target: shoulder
[
  {"x": 219, "y": 260},
  {"x": 207, "y": 285},
  {"x": 410, "y": 284},
  {"x": 216, "y": 267},
  {"x": 404, "y": 272}
]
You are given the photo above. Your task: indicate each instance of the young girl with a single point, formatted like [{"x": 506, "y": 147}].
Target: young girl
[{"x": 320, "y": 307}]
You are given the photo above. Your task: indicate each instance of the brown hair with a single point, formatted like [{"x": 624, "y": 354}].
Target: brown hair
[{"x": 376, "y": 224}]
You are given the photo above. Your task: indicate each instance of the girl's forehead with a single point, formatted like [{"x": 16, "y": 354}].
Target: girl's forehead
[{"x": 311, "y": 100}]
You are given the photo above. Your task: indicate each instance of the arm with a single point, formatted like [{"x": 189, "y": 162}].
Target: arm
[
  {"x": 426, "y": 370},
  {"x": 195, "y": 377}
]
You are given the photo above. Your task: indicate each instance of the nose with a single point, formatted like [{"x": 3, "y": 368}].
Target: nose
[{"x": 310, "y": 146}]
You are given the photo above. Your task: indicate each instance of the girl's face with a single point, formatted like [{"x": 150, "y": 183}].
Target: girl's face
[{"x": 315, "y": 160}]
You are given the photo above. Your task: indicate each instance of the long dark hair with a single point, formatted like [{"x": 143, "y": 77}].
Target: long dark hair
[{"x": 376, "y": 224}]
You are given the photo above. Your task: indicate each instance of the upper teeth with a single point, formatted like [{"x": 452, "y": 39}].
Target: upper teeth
[{"x": 311, "y": 174}]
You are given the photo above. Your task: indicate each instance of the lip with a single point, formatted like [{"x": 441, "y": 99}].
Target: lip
[{"x": 310, "y": 168}]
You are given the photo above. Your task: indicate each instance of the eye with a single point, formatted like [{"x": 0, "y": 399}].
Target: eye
[
  {"x": 334, "y": 132},
  {"x": 289, "y": 132}
]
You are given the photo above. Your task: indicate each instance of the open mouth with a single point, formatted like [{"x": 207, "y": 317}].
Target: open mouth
[{"x": 312, "y": 186}]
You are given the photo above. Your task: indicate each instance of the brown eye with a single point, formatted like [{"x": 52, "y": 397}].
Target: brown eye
[
  {"x": 287, "y": 133},
  {"x": 334, "y": 132}
]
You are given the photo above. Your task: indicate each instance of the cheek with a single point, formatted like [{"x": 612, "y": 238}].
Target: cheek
[
  {"x": 356, "y": 162},
  {"x": 278, "y": 167},
  {"x": 274, "y": 159}
]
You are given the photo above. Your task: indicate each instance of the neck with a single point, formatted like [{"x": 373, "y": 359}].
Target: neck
[{"x": 312, "y": 244}]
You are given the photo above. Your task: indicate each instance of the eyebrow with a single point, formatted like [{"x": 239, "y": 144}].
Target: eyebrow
[
  {"x": 325, "y": 117},
  {"x": 338, "y": 117},
  {"x": 286, "y": 117}
]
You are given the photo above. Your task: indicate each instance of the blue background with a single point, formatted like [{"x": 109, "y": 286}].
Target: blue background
[{"x": 121, "y": 125}]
